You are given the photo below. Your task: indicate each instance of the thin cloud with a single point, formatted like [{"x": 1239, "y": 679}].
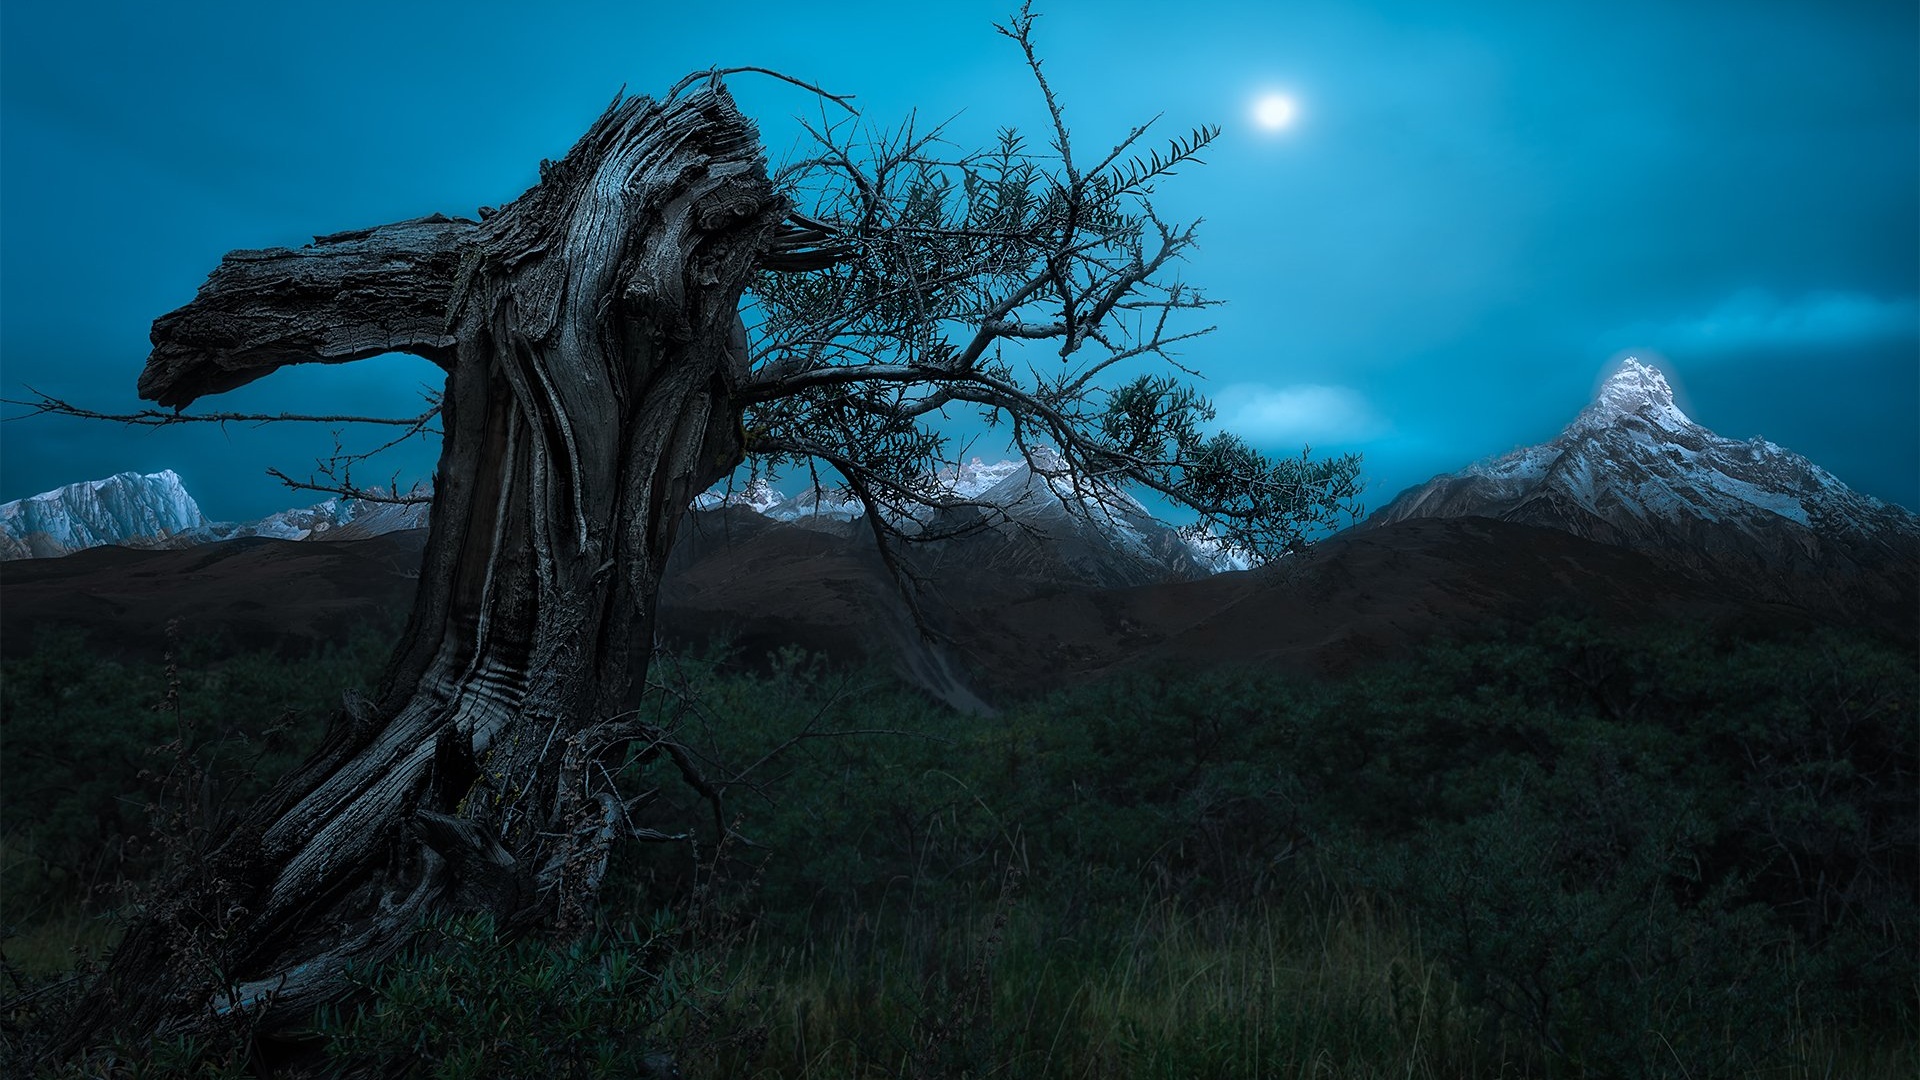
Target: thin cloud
[
  {"x": 1754, "y": 318},
  {"x": 1305, "y": 412}
]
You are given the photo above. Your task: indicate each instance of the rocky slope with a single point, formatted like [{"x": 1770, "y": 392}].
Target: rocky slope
[{"x": 762, "y": 585}]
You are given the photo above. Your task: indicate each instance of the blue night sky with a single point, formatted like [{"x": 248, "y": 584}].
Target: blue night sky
[{"x": 1478, "y": 208}]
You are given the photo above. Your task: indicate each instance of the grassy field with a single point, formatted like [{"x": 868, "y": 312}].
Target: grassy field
[{"x": 1559, "y": 850}]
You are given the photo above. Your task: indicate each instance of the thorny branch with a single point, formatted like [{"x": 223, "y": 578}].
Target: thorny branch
[
  {"x": 337, "y": 467},
  {"x": 46, "y": 404}
]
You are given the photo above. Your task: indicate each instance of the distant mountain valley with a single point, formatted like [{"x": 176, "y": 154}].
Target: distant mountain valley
[{"x": 1633, "y": 513}]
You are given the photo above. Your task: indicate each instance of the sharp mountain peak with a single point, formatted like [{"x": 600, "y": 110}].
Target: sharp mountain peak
[
  {"x": 1635, "y": 390},
  {"x": 1633, "y": 470}
]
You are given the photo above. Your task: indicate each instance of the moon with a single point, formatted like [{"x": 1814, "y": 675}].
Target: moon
[{"x": 1275, "y": 112}]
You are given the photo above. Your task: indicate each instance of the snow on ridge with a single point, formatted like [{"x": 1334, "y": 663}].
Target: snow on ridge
[
  {"x": 1015, "y": 487},
  {"x": 155, "y": 510},
  {"x": 971, "y": 480},
  {"x": 1635, "y": 390},
  {"x": 1215, "y": 553},
  {"x": 1651, "y": 478},
  {"x": 1524, "y": 466},
  {"x": 1632, "y": 455},
  {"x": 91, "y": 513},
  {"x": 1744, "y": 492},
  {"x": 975, "y": 477}
]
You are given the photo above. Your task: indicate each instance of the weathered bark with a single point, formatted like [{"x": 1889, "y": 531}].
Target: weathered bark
[
  {"x": 592, "y": 338},
  {"x": 347, "y": 297}
]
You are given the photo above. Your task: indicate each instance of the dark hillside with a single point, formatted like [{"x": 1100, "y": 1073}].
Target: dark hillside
[{"x": 1357, "y": 598}]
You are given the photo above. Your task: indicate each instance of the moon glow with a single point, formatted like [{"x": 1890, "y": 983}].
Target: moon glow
[{"x": 1275, "y": 111}]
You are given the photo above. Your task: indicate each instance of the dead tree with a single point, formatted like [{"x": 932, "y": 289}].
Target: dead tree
[{"x": 599, "y": 376}]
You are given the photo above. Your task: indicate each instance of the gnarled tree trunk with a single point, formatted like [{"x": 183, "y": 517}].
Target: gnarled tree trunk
[{"x": 591, "y": 336}]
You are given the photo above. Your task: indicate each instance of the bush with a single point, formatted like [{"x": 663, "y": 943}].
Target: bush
[
  {"x": 1670, "y": 852},
  {"x": 1637, "y": 852},
  {"x": 104, "y": 758}
]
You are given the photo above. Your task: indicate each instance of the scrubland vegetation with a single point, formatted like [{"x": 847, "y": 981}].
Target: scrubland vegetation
[{"x": 1558, "y": 850}]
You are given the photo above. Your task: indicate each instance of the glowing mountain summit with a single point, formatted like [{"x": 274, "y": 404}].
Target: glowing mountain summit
[
  {"x": 1634, "y": 470},
  {"x": 1636, "y": 394}
]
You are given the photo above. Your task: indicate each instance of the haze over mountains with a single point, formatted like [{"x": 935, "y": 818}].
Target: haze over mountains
[{"x": 1634, "y": 512}]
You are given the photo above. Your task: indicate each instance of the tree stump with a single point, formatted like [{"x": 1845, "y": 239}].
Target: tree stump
[{"x": 591, "y": 338}]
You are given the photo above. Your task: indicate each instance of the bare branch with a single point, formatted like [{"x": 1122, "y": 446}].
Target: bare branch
[
  {"x": 48, "y": 405},
  {"x": 776, "y": 384},
  {"x": 348, "y": 490},
  {"x": 718, "y": 73}
]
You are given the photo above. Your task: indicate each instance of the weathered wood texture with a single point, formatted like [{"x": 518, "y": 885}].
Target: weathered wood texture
[
  {"x": 345, "y": 297},
  {"x": 592, "y": 338}
]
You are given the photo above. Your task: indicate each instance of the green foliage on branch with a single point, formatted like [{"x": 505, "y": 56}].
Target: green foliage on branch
[{"x": 1030, "y": 289}]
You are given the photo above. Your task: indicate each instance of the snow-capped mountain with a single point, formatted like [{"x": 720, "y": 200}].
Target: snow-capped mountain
[
  {"x": 820, "y": 505},
  {"x": 96, "y": 512},
  {"x": 155, "y": 510},
  {"x": 1634, "y": 470},
  {"x": 1042, "y": 526},
  {"x": 1101, "y": 533},
  {"x": 1107, "y": 538},
  {"x": 334, "y": 519}
]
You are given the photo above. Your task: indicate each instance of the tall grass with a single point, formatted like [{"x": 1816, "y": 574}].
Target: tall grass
[
  {"x": 1335, "y": 989},
  {"x": 1461, "y": 866},
  {"x": 1255, "y": 992}
]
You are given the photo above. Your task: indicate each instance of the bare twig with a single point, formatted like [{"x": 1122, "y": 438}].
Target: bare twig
[
  {"x": 48, "y": 405},
  {"x": 717, "y": 73}
]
